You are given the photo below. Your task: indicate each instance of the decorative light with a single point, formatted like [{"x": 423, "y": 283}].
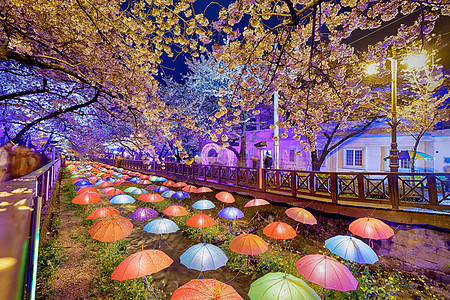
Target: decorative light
[
  {"x": 372, "y": 69},
  {"x": 416, "y": 61}
]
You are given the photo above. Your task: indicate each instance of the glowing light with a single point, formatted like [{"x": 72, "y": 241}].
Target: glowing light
[
  {"x": 372, "y": 69},
  {"x": 416, "y": 61}
]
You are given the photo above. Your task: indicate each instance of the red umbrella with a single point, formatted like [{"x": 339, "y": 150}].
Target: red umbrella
[
  {"x": 124, "y": 183},
  {"x": 280, "y": 231},
  {"x": 200, "y": 221},
  {"x": 86, "y": 189},
  {"x": 106, "y": 184},
  {"x": 205, "y": 289},
  {"x": 190, "y": 189},
  {"x": 371, "y": 228},
  {"x": 141, "y": 264},
  {"x": 168, "y": 183},
  {"x": 86, "y": 198},
  {"x": 144, "y": 181},
  {"x": 301, "y": 215},
  {"x": 110, "y": 229},
  {"x": 111, "y": 191},
  {"x": 175, "y": 211},
  {"x": 102, "y": 212},
  {"x": 326, "y": 272},
  {"x": 225, "y": 197},
  {"x": 150, "y": 198},
  {"x": 203, "y": 189},
  {"x": 180, "y": 184}
]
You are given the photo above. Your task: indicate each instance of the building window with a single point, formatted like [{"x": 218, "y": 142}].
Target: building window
[
  {"x": 404, "y": 163},
  {"x": 447, "y": 160},
  {"x": 291, "y": 155},
  {"x": 354, "y": 157}
]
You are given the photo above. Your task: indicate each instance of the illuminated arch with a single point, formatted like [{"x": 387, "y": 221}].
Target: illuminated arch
[{"x": 224, "y": 156}]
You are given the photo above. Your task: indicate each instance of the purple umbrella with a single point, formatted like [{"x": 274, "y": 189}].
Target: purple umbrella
[
  {"x": 180, "y": 195},
  {"x": 160, "y": 189},
  {"x": 143, "y": 213},
  {"x": 150, "y": 187},
  {"x": 231, "y": 213}
]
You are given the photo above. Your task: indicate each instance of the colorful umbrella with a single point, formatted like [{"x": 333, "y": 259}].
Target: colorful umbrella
[
  {"x": 371, "y": 228},
  {"x": 180, "y": 195},
  {"x": 301, "y": 215},
  {"x": 408, "y": 155},
  {"x": 150, "y": 187},
  {"x": 124, "y": 183},
  {"x": 83, "y": 183},
  {"x": 248, "y": 244},
  {"x": 231, "y": 213},
  {"x": 175, "y": 211},
  {"x": 280, "y": 231},
  {"x": 143, "y": 213},
  {"x": 200, "y": 221},
  {"x": 351, "y": 248},
  {"x": 86, "y": 198},
  {"x": 130, "y": 189},
  {"x": 153, "y": 178},
  {"x": 180, "y": 184},
  {"x": 225, "y": 197},
  {"x": 150, "y": 198},
  {"x": 168, "y": 183},
  {"x": 189, "y": 189},
  {"x": 168, "y": 194},
  {"x": 160, "y": 179},
  {"x": 160, "y": 188},
  {"x": 111, "y": 191},
  {"x": 203, "y": 257},
  {"x": 203, "y": 189},
  {"x": 102, "y": 212},
  {"x": 121, "y": 199},
  {"x": 161, "y": 226},
  {"x": 110, "y": 229},
  {"x": 326, "y": 272},
  {"x": 138, "y": 192},
  {"x": 205, "y": 289},
  {"x": 86, "y": 189},
  {"x": 144, "y": 181},
  {"x": 281, "y": 286},
  {"x": 141, "y": 264},
  {"x": 256, "y": 202},
  {"x": 203, "y": 204},
  {"x": 104, "y": 184}
]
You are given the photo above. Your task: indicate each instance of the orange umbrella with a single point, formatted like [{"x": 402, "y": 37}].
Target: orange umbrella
[
  {"x": 205, "y": 289},
  {"x": 87, "y": 188},
  {"x": 168, "y": 183},
  {"x": 111, "y": 191},
  {"x": 150, "y": 198},
  {"x": 371, "y": 228},
  {"x": 175, "y": 211},
  {"x": 180, "y": 184},
  {"x": 141, "y": 264},
  {"x": 200, "y": 221},
  {"x": 225, "y": 197},
  {"x": 190, "y": 189},
  {"x": 203, "y": 189},
  {"x": 86, "y": 198},
  {"x": 102, "y": 212},
  {"x": 301, "y": 215},
  {"x": 279, "y": 231},
  {"x": 249, "y": 244},
  {"x": 106, "y": 184},
  {"x": 110, "y": 229}
]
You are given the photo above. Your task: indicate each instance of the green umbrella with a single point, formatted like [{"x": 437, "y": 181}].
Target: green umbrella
[{"x": 281, "y": 286}]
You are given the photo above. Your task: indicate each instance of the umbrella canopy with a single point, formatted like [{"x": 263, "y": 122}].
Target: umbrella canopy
[
  {"x": 205, "y": 289},
  {"x": 110, "y": 229},
  {"x": 150, "y": 187},
  {"x": 301, "y": 215},
  {"x": 160, "y": 179},
  {"x": 143, "y": 213},
  {"x": 231, "y": 213},
  {"x": 124, "y": 183},
  {"x": 351, "y": 248},
  {"x": 86, "y": 198},
  {"x": 326, "y": 272},
  {"x": 102, "y": 212},
  {"x": 161, "y": 226},
  {"x": 203, "y": 257},
  {"x": 160, "y": 188},
  {"x": 138, "y": 192},
  {"x": 130, "y": 189},
  {"x": 402, "y": 155},
  {"x": 371, "y": 228},
  {"x": 256, "y": 202},
  {"x": 180, "y": 195},
  {"x": 190, "y": 189},
  {"x": 225, "y": 197},
  {"x": 153, "y": 178},
  {"x": 281, "y": 286},
  {"x": 86, "y": 189},
  {"x": 175, "y": 211},
  {"x": 121, "y": 199},
  {"x": 169, "y": 183},
  {"x": 203, "y": 204},
  {"x": 144, "y": 181},
  {"x": 203, "y": 189},
  {"x": 180, "y": 184},
  {"x": 104, "y": 184},
  {"x": 82, "y": 183},
  {"x": 141, "y": 264},
  {"x": 200, "y": 221},
  {"x": 279, "y": 230},
  {"x": 111, "y": 191},
  {"x": 248, "y": 244},
  {"x": 168, "y": 194},
  {"x": 150, "y": 198}
]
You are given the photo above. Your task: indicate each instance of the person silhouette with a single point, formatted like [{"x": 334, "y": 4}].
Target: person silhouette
[{"x": 268, "y": 161}]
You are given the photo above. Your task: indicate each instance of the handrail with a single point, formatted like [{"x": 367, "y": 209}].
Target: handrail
[
  {"x": 19, "y": 229},
  {"x": 398, "y": 190}
]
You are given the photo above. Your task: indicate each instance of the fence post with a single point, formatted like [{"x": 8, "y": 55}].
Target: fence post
[
  {"x": 432, "y": 190},
  {"x": 263, "y": 178},
  {"x": 334, "y": 187},
  {"x": 394, "y": 195},
  {"x": 236, "y": 179},
  {"x": 361, "y": 190},
  {"x": 312, "y": 186},
  {"x": 276, "y": 173},
  {"x": 294, "y": 183},
  {"x": 219, "y": 174}
]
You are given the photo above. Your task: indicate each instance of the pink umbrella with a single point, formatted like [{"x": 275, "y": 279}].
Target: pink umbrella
[
  {"x": 256, "y": 202},
  {"x": 301, "y": 215},
  {"x": 326, "y": 272}
]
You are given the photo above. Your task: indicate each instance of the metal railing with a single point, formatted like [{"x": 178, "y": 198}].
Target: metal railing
[
  {"x": 397, "y": 190},
  {"x": 19, "y": 281}
]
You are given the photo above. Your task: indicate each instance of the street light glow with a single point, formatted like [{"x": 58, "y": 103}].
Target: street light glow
[
  {"x": 416, "y": 61},
  {"x": 372, "y": 69}
]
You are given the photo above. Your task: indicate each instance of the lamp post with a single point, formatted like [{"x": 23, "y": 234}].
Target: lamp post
[
  {"x": 276, "y": 132},
  {"x": 393, "y": 157}
]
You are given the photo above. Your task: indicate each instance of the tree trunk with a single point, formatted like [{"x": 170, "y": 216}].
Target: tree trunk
[
  {"x": 315, "y": 165},
  {"x": 413, "y": 158},
  {"x": 242, "y": 158}
]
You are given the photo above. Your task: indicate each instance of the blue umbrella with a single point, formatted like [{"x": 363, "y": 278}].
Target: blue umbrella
[
  {"x": 130, "y": 189},
  {"x": 121, "y": 199},
  {"x": 351, "y": 248},
  {"x": 181, "y": 195},
  {"x": 231, "y": 213},
  {"x": 168, "y": 194},
  {"x": 83, "y": 183},
  {"x": 97, "y": 182},
  {"x": 203, "y": 204},
  {"x": 160, "y": 189},
  {"x": 160, "y": 179},
  {"x": 153, "y": 178},
  {"x": 161, "y": 226},
  {"x": 138, "y": 192},
  {"x": 135, "y": 179},
  {"x": 204, "y": 257}
]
